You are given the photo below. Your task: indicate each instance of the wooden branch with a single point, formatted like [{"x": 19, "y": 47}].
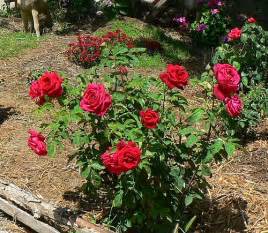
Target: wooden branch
[
  {"x": 41, "y": 209},
  {"x": 25, "y": 218}
]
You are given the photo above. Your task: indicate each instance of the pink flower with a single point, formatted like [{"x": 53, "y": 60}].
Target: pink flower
[
  {"x": 36, "y": 142},
  {"x": 234, "y": 106},
  {"x": 215, "y": 11},
  {"x": 234, "y": 34},
  {"x": 251, "y": 20}
]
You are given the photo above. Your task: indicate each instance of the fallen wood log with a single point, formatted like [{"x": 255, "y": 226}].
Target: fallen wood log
[
  {"x": 25, "y": 218},
  {"x": 41, "y": 209}
]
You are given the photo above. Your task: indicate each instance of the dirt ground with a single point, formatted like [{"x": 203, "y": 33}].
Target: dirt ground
[{"x": 236, "y": 202}]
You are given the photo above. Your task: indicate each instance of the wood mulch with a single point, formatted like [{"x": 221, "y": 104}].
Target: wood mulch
[{"x": 236, "y": 202}]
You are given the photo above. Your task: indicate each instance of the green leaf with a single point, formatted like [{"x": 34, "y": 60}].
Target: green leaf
[
  {"x": 230, "y": 148},
  {"x": 97, "y": 166},
  {"x": 85, "y": 172},
  {"x": 187, "y": 131},
  {"x": 191, "y": 140},
  {"x": 197, "y": 115},
  {"x": 213, "y": 149},
  {"x": 189, "y": 224},
  {"x": 188, "y": 200},
  {"x": 118, "y": 199},
  {"x": 51, "y": 148}
]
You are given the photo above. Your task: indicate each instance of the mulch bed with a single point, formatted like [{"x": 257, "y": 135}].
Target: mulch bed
[{"x": 237, "y": 201}]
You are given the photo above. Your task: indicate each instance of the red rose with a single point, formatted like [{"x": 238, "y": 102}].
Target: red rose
[
  {"x": 96, "y": 99},
  {"x": 36, "y": 142},
  {"x": 150, "y": 118},
  {"x": 251, "y": 20},
  {"x": 36, "y": 93},
  {"x": 219, "y": 93},
  {"x": 110, "y": 161},
  {"x": 234, "y": 34},
  {"x": 234, "y": 106},
  {"x": 50, "y": 84},
  {"x": 228, "y": 79},
  {"x": 175, "y": 76},
  {"x": 126, "y": 157},
  {"x": 129, "y": 156}
]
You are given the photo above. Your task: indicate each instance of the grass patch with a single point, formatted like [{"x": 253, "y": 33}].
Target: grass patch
[
  {"x": 14, "y": 43},
  {"x": 174, "y": 51}
]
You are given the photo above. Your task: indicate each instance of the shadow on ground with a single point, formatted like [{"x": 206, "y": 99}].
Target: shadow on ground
[
  {"x": 5, "y": 113},
  {"x": 224, "y": 215}
]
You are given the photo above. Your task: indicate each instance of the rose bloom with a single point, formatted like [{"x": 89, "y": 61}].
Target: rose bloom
[
  {"x": 234, "y": 106},
  {"x": 150, "y": 118},
  {"x": 234, "y": 34},
  {"x": 96, "y": 99},
  {"x": 251, "y": 20},
  {"x": 126, "y": 157},
  {"x": 36, "y": 142},
  {"x": 110, "y": 161},
  {"x": 50, "y": 84},
  {"x": 36, "y": 93},
  {"x": 228, "y": 80},
  {"x": 175, "y": 76},
  {"x": 215, "y": 11}
]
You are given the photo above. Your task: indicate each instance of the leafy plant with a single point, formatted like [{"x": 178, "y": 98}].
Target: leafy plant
[
  {"x": 249, "y": 55},
  {"x": 138, "y": 138},
  {"x": 112, "y": 49},
  {"x": 211, "y": 27}
]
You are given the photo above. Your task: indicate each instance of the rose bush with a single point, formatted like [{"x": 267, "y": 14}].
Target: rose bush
[
  {"x": 249, "y": 54},
  {"x": 115, "y": 48},
  {"x": 139, "y": 139}
]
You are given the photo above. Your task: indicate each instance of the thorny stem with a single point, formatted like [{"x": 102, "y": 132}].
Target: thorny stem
[
  {"x": 210, "y": 125},
  {"x": 164, "y": 100}
]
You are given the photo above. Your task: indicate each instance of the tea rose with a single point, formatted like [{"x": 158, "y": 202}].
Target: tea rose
[
  {"x": 96, "y": 99},
  {"x": 51, "y": 84},
  {"x": 36, "y": 142},
  {"x": 251, "y": 20},
  {"x": 150, "y": 118},
  {"x": 234, "y": 34},
  {"x": 234, "y": 106},
  {"x": 36, "y": 93},
  {"x": 228, "y": 79},
  {"x": 175, "y": 76}
]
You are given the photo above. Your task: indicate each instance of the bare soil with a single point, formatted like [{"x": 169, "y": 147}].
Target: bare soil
[{"x": 236, "y": 202}]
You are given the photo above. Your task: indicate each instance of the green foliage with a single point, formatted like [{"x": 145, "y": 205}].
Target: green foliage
[
  {"x": 176, "y": 156},
  {"x": 249, "y": 55},
  {"x": 255, "y": 110},
  {"x": 215, "y": 27}
]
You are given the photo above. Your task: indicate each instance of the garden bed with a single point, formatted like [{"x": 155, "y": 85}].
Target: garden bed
[{"x": 237, "y": 201}]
